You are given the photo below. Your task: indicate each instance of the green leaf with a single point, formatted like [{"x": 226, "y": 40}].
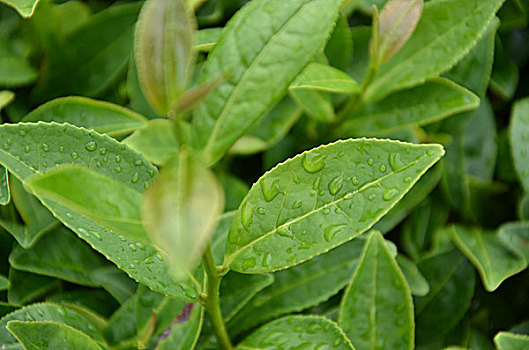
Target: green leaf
[
  {"x": 307, "y": 332},
  {"x": 218, "y": 241},
  {"x": 505, "y": 73},
  {"x": 164, "y": 51},
  {"x": 377, "y": 309},
  {"x": 5, "y": 195},
  {"x": 309, "y": 204},
  {"x": 433, "y": 101},
  {"x": 156, "y": 141},
  {"x": 121, "y": 327},
  {"x": 511, "y": 341},
  {"x": 515, "y": 235},
  {"x": 4, "y": 283},
  {"x": 321, "y": 77},
  {"x": 50, "y": 144},
  {"x": 262, "y": 55},
  {"x": 15, "y": 69},
  {"x": 339, "y": 48},
  {"x": 418, "y": 284},
  {"x": 397, "y": 22},
  {"x": 317, "y": 105},
  {"x": 519, "y": 131},
  {"x": 181, "y": 210},
  {"x": 234, "y": 190},
  {"x": 81, "y": 190},
  {"x": 6, "y": 97},
  {"x": 452, "y": 280},
  {"x": 184, "y": 334},
  {"x": 60, "y": 254},
  {"x": 97, "y": 300},
  {"x": 103, "y": 117},
  {"x": 207, "y": 39},
  {"x": 300, "y": 287},
  {"x": 491, "y": 258},
  {"x": 237, "y": 289},
  {"x": 446, "y": 31},
  {"x": 138, "y": 102},
  {"x": 25, "y": 287},
  {"x": 47, "y": 312},
  {"x": 115, "y": 282},
  {"x": 44, "y": 335},
  {"x": 24, "y": 7}
]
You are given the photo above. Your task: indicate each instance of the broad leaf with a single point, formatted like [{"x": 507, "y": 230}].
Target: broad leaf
[
  {"x": 47, "y": 312},
  {"x": 491, "y": 258},
  {"x": 511, "y": 341},
  {"x": 302, "y": 286},
  {"x": 156, "y": 141},
  {"x": 164, "y": 51},
  {"x": 25, "y": 287},
  {"x": 24, "y": 7},
  {"x": 422, "y": 105},
  {"x": 48, "y": 335},
  {"x": 515, "y": 235},
  {"x": 121, "y": 327},
  {"x": 452, "y": 280},
  {"x": 262, "y": 54},
  {"x": 446, "y": 31},
  {"x": 418, "y": 284},
  {"x": 181, "y": 211},
  {"x": 184, "y": 334},
  {"x": 115, "y": 282},
  {"x": 60, "y": 254},
  {"x": 397, "y": 22},
  {"x": 103, "y": 117},
  {"x": 519, "y": 131},
  {"x": 322, "y": 77},
  {"x": 97, "y": 197},
  {"x": 339, "y": 48},
  {"x": 377, "y": 309},
  {"x": 5, "y": 196},
  {"x": 295, "y": 332},
  {"x": 310, "y": 204},
  {"x": 39, "y": 147},
  {"x": 15, "y": 71}
]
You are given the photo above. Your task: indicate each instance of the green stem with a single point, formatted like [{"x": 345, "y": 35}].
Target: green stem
[{"x": 211, "y": 301}]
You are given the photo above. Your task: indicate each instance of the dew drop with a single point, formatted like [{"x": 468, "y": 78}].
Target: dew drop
[
  {"x": 270, "y": 188},
  {"x": 332, "y": 231},
  {"x": 96, "y": 235},
  {"x": 103, "y": 151},
  {"x": 22, "y": 132},
  {"x": 371, "y": 197},
  {"x": 267, "y": 258},
  {"x": 285, "y": 231},
  {"x": 246, "y": 214},
  {"x": 74, "y": 155},
  {"x": 99, "y": 165},
  {"x": 355, "y": 180},
  {"x": 407, "y": 179},
  {"x": 121, "y": 238},
  {"x": 151, "y": 172},
  {"x": 394, "y": 161},
  {"x": 382, "y": 168},
  {"x": 27, "y": 149},
  {"x": 370, "y": 161},
  {"x": 249, "y": 263},
  {"x": 61, "y": 149},
  {"x": 261, "y": 210},
  {"x": 390, "y": 193},
  {"x": 90, "y": 146},
  {"x": 135, "y": 177},
  {"x": 132, "y": 247},
  {"x": 159, "y": 256},
  {"x": 45, "y": 147},
  {"x": 117, "y": 159},
  {"x": 118, "y": 169},
  {"x": 336, "y": 184},
  {"x": 297, "y": 204},
  {"x": 313, "y": 162},
  {"x": 6, "y": 146},
  {"x": 138, "y": 162}
]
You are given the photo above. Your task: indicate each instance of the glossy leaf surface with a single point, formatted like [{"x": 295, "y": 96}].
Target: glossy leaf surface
[
  {"x": 258, "y": 51},
  {"x": 24, "y": 7},
  {"x": 377, "y": 307},
  {"x": 519, "y": 132},
  {"x": 515, "y": 236},
  {"x": 418, "y": 284},
  {"x": 321, "y": 77},
  {"x": 511, "y": 341},
  {"x": 4, "y": 187},
  {"x": 309, "y": 204},
  {"x": 184, "y": 334}
]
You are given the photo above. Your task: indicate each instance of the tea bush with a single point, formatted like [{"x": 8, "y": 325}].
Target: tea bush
[{"x": 264, "y": 174}]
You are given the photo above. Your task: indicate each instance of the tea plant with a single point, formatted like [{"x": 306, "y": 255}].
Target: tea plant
[{"x": 132, "y": 130}]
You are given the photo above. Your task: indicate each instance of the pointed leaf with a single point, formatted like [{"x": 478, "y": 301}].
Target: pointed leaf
[
  {"x": 519, "y": 131},
  {"x": 317, "y": 105},
  {"x": 48, "y": 335},
  {"x": 103, "y": 117},
  {"x": 511, "y": 341},
  {"x": 100, "y": 153},
  {"x": 47, "y": 312},
  {"x": 446, "y": 31},
  {"x": 377, "y": 309},
  {"x": 262, "y": 54},
  {"x": 6, "y": 97},
  {"x": 418, "y": 284},
  {"x": 302, "y": 286},
  {"x": 207, "y": 38},
  {"x": 24, "y": 7},
  {"x": 310, "y": 203},
  {"x": 515, "y": 236},
  {"x": 322, "y": 77},
  {"x": 181, "y": 210},
  {"x": 422, "y": 105},
  {"x": 164, "y": 51},
  {"x": 307, "y": 332},
  {"x": 491, "y": 258},
  {"x": 397, "y": 22}
]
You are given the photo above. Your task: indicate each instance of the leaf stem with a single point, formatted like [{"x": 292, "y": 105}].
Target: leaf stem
[{"x": 212, "y": 299}]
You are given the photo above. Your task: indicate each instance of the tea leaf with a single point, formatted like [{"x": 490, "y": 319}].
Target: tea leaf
[
  {"x": 446, "y": 31},
  {"x": 397, "y": 22},
  {"x": 291, "y": 332},
  {"x": 322, "y": 77},
  {"x": 44, "y": 335},
  {"x": 184, "y": 335},
  {"x": 47, "y": 312},
  {"x": 418, "y": 284},
  {"x": 4, "y": 283},
  {"x": 25, "y": 287},
  {"x": 6, "y": 97},
  {"x": 100, "y": 153},
  {"x": 103, "y": 117},
  {"x": 318, "y": 105},
  {"x": 519, "y": 132},
  {"x": 164, "y": 51},
  {"x": 377, "y": 307},
  {"x": 491, "y": 258},
  {"x": 207, "y": 39},
  {"x": 276, "y": 49},
  {"x": 24, "y": 7},
  {"x": 309, "y": 204},
  {"x": 515, "y": 236},
  {"x": 5, "y": 195},
  {"x": 181, "y": 210},
  {"x": 511, "y": 341},
  {"x": 433, "y": 101}
]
